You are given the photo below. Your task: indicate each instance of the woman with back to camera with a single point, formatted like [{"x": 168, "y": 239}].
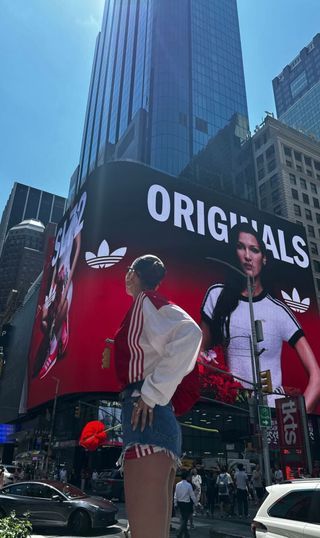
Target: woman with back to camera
[
  {"x": 155, "y": 347},
  {"x": 226, "y": 318}
]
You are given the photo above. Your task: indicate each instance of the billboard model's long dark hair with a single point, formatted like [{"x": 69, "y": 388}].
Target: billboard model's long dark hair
[{"x": 235, "y": 283}]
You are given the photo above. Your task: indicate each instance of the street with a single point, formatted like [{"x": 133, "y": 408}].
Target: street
[{"x": 204, "y": 528}]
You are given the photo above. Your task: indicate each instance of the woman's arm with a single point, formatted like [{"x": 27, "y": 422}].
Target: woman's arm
[
  {"x": 206, "y": 336},
  {"x": 306, "y": 355}
]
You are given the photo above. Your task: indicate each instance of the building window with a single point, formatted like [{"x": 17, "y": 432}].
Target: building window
[
  {"x": 260, "y": 160},
  {"x": 311, "y": 230},
  {"x": 201, "y": 125},
  {"x": 309, "y": 173},
  {"x": 305, "y": 198},
  {"x": 261, "y": 174},
  {"x": 314, "y": 248},
  {"x": 258, "y": 142},
  {"x": 316, "y": 266},
  {"x": 293, "y": 180},
  {"x": 277, "y": 210},
  {"x": 316, "y": 165},
  {"x": 274, "y": 180},
  {"x": 307, "y": 160},
  {"x": 313, "y": 188},
  {"x": 183, "y": 120},
  {"x": 316, "y": 202},
  {"x": 287, "y": 151},
  {"x": 275, "y": 195},
  {"x": 299, "y": 168},
  {"x": 270, "y": 152},
  {"x": 297, "y": 156},
  {"x": 303, "y": 183},
  {"x": 318, "y": 217},
  {"x": 263, "y": 189},
  {"x": 264, "y": 203},
  {"x": 297, "y": 210},
  {"x": 295, "y": 194},
  {"x": 289, "y": 163},
  {"x": 271, "y": 165},
  {"x": 308, "y": 214}
]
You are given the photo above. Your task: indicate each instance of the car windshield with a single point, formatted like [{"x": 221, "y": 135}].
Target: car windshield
[{"x": 70, "y": 491}]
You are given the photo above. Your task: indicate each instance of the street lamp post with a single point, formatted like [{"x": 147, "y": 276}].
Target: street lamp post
[
  {"x": 256, "y": 367},
  {"x": 53, "y": 416}
]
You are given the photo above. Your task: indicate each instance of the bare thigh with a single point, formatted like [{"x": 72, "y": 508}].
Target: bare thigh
[{"x": 147, "y": 481}]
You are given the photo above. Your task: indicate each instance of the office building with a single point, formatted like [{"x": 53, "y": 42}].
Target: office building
[
  {"x": 225, "y": 164},
  {"x": 25, "y": 203},
  {"x": 166, "y": 77},
  {"x": 20, "y": 263},
  {"x": 297, "y": 90},
  {"x": 287, "y": 164}
]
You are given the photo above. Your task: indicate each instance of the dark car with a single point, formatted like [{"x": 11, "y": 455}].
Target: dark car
[
  {"x": 53, "y": 503},
  {"x": 109, "y": 484}
]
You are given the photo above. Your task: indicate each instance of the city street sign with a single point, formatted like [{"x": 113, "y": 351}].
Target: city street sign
[{"x": 264, "y": 416}]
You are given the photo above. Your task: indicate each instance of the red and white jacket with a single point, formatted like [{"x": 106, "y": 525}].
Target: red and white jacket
[{"x": 157, "y": 342}]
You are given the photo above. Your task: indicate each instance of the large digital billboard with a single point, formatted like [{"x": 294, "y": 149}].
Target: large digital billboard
[{"x": 127, "y": 209}]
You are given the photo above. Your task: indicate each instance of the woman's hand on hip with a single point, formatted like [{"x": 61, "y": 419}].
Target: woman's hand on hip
[{"x": 141, "y": 413}]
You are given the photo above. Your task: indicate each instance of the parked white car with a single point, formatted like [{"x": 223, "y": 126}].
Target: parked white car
[{"x": 291, "y": 509}]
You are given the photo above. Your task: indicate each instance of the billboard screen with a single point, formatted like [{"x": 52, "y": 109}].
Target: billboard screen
[{"x": 126, "y": 210}]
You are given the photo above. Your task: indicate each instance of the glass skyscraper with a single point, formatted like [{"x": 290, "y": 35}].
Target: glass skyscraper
[
  {"x": 167, "y": 76},
  {"x": 297, "y": 90}
]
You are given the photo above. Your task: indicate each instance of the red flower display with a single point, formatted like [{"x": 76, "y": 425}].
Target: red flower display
[
  {"x": 216, "y": 384},
  {"x": 93, "y": 435}
]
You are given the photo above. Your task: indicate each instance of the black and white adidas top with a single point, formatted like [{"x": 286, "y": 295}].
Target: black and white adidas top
[{"x": 279, "y": 325}]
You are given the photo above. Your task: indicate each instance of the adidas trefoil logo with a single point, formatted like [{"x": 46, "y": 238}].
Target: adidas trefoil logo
[
  {"x": 104, "y": 258},
  {"x": 295, "y": 303}
]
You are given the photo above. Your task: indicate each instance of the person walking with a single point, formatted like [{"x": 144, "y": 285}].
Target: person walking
[
  {"x": 224, "y": 483},
  {"x": 257, "y": 483},
  {"x": 278, "y": 474},
  {"x": 155, "y": 347},
  {"x": 184, "y": 499},
  {"x": 242, "y": 482}
]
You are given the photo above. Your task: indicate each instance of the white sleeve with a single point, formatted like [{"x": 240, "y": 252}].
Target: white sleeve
[
  {"x": 210, "y": 301},
  {"x": 289, "y": 327},
  {"x": 176, "y": 338}
]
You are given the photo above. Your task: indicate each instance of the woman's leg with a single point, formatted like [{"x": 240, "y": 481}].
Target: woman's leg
[{"x": 146, "y": 482}]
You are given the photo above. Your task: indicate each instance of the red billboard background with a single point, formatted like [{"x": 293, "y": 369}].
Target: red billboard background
[{"x": 126, "y": 210}]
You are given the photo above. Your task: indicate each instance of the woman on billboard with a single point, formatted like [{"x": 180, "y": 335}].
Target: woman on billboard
[
  {"x": 155, "y": 347},
  {"x": 226, "y": 319}
]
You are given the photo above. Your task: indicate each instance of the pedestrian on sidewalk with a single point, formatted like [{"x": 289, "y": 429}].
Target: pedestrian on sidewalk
[
  {"x": 257, "y": 483},
  {"x": 185, "y": 500},
  {"x": 224, "y": 483},
  {"x": 242, "y": 484},
  {"x": 155, "y": 347}
]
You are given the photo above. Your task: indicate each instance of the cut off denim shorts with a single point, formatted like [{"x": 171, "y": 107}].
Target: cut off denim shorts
[{"x": 164, "y": 435}]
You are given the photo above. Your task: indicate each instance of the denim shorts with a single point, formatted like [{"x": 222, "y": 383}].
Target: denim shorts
[{"x": 164, "y": 433}]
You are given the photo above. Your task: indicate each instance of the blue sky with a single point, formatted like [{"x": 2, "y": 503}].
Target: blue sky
[{"x": 46, "y": 52}]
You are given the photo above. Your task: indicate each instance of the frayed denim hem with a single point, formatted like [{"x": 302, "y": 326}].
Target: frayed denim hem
[{"x": 146, "y": 450}]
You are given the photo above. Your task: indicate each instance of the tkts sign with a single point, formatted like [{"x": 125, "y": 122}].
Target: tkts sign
[
  {"x": 293, "y": 435},
  {"x": 289, "y": 423}
]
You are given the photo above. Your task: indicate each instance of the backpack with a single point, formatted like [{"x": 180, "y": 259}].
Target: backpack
[{"x": 223, "y": 484}]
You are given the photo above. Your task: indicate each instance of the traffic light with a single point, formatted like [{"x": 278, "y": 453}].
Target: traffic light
[
  {"x": 266, "y": 382},
  {"x": 106, "y": 358},
  {"x": 77, "y": 411}
]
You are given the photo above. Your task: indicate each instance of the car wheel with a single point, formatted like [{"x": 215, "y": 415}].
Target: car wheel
[{"x": 80, "y": 523}]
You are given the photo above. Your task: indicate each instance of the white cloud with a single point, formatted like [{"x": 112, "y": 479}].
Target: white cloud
[{"x": 89, "y": 22}]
